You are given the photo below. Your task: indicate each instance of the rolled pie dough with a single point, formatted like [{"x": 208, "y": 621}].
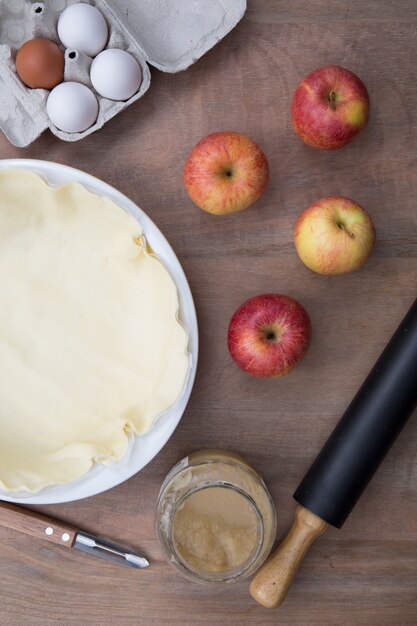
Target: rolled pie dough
[{"x": 90, "y": 344}]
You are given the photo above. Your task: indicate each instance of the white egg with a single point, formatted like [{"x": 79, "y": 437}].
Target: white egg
[
  {"x": 83, "y": 28},
  {"x": 115, "y": 74},
  {"x": 72, "y": 107}
]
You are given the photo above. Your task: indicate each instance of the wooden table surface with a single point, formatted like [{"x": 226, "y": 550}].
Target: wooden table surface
[{"x": 365, "y": 573}]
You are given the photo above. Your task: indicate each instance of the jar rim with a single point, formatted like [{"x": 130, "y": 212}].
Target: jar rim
[{"x": 225, "y": 575}]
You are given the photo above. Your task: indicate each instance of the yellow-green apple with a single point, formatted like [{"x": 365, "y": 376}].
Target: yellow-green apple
[
  {"x": 268, "y": 335},
  {"x": 225, "y": 172},
  {"x": 330, "y": 107},
  {"x": 334, "y": 235}
]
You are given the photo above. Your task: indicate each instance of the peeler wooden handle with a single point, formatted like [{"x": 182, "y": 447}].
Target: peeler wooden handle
[
  {"x": 36, "y": 525},
  {"x": 273, "y": 580}
]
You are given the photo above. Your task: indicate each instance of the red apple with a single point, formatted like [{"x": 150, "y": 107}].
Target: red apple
[
  {"x": 330, "y": 107},
  {"x": 334, "y": 235},
  {"x": 225, "y": 172},
  {"x": 268, "y": 335}
]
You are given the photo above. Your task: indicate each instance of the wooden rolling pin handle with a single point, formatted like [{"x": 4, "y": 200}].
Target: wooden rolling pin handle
[
  {"x": 273, "y": 580},
  {"x": 36, "y": 525}
]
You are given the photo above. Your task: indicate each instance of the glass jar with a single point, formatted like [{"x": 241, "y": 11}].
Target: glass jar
[{"x": 215, "y": 518}]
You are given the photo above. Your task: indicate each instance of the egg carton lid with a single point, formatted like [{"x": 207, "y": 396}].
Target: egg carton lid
[
  {"x": 174, "y": 34},
  {"x": 170, "y": 35}
]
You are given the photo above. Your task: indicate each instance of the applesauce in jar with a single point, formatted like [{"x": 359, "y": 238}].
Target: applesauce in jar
[{"x": 215, "y": 518}]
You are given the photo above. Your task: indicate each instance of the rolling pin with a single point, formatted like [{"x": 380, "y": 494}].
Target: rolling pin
[{"x": 348, "y": 460}]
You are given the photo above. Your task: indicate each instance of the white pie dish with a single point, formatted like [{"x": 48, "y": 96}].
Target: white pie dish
[{"x": 143, "y": 448}]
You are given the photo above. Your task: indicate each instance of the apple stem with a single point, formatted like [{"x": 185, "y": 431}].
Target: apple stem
[
  {"x": 348, "y": 232},
  {"x": 332, "y": 99},
  {"x": 270, "y": 334}
]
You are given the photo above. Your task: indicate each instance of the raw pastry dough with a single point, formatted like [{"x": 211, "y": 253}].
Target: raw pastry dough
[{"x": 90, "y": 344}]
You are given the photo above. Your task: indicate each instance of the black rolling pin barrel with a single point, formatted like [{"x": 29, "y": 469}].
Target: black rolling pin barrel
[
  {"x": 348, "y": 460},
  {"x": 366, "y": 431}
]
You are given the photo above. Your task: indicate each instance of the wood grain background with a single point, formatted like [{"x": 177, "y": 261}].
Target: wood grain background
[{"x": 367, "y": 572}]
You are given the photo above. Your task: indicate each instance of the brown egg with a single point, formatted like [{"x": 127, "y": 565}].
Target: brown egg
[{"x": 40, "y": 64}]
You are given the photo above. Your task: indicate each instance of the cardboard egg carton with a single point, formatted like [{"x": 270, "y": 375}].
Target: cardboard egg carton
[{"x": 171, "y": 35}]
